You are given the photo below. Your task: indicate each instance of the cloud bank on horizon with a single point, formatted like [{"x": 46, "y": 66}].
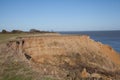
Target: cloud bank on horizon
[{"x": 60, "y": 15}]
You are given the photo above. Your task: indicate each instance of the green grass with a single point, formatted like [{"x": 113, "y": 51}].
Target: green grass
[
  {"x": 7, "y": 36},
  {"x": 13, "y": 69},
  {"x": 48, "y": 78},
  {"x": 16, "y": 77}
]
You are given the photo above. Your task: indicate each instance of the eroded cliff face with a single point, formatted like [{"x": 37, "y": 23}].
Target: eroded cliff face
[{"x": 69, "y": 57}]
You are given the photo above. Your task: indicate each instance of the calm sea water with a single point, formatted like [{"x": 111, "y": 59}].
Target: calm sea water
[{"x": 111, "y": 38}]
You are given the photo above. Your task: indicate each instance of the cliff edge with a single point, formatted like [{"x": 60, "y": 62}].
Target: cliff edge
[{"x": 68, "y": 57}]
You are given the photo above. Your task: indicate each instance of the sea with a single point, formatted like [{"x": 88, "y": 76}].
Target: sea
[{"x": 111, "y": 38}]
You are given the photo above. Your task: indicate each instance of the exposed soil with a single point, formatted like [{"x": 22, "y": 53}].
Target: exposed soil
[{"x": 65, "y": 57}]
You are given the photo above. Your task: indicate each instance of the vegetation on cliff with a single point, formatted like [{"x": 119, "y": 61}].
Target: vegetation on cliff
[{"x": 58, "y": 57}]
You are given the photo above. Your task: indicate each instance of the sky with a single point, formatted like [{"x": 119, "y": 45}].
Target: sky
[{"x": 60, "y": 15}]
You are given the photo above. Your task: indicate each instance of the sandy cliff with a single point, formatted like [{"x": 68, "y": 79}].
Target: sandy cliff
[{"x": 69, "y": 57}]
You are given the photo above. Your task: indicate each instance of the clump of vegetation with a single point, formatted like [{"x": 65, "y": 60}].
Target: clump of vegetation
[
  {"x": 30, "y": 31},
  {"x": 5, "y": 35},
  {"x": 34, "y": 30},
  {"x": 17, "y": 31},
  {"x": 16, "y": 77},
  {"x": 4, "y": 31},
  {"x": 12, "y": 68}
]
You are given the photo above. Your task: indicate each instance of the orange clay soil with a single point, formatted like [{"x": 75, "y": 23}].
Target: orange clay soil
[{"x": 68, "y": 53}]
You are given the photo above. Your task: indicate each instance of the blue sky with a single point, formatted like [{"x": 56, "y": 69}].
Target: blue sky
[{"x": 60, "y": 15}]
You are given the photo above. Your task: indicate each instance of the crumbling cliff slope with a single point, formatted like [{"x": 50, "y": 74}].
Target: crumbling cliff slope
[{"x": 68, "y": 57}]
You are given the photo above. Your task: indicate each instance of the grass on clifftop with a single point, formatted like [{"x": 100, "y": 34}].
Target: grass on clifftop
[{"x": 5, "y": 37}]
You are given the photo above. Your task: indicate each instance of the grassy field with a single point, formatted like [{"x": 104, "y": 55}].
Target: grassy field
[{"x": 6, "y": 37}]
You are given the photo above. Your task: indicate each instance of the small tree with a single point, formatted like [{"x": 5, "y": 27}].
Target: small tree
[
  {"x": 16, "y": 31},
  {"x": 34, "y": 31},
  {"x": 4, "y": 31}
]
